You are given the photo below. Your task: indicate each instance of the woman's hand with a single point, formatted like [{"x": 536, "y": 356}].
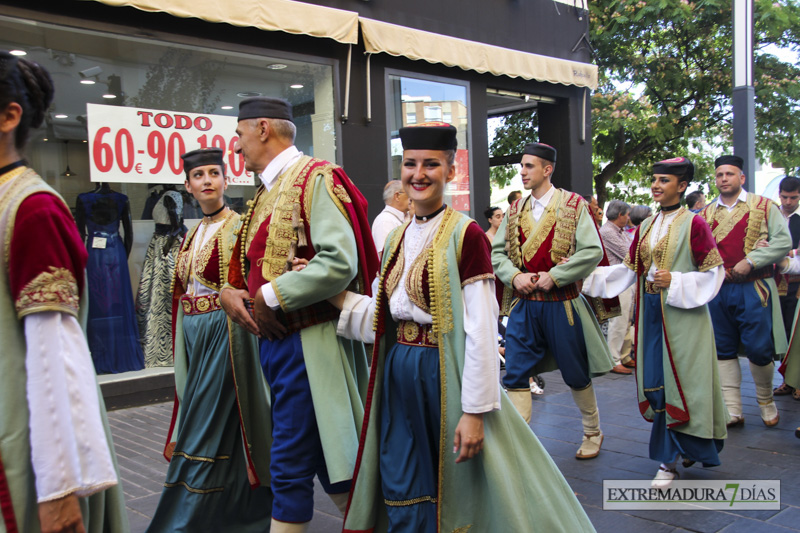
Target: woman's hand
[
  {"x": 299, "y": 264},
  {"x": 338, "y": 300},
  {"x": 662, "y": 279},
  {"x": 61, "y": 516},
  {"x": 469, "y": 436}
]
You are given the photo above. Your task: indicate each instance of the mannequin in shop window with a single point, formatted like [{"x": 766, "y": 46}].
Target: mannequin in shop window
[
  {"x": 154, "y": 298},
  {"x": 112, "y": 330}
]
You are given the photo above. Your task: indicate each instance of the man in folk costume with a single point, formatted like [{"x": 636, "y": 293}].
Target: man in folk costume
[
  {"x": 308, "y": 209},
  {"x": 550, "y": 324},
  {"x": 747, "y": 310}
]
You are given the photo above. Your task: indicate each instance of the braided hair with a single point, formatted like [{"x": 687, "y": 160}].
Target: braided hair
[{"x": 29, "y": 85}]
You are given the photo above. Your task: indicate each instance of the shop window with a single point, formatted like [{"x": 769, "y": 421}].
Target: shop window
[
  {"x": 438, "y": 100},
  {"x": 126, "y": 108}
]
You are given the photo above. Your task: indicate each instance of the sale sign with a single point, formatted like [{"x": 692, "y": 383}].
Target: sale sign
[{"x": 136, "y": 145}]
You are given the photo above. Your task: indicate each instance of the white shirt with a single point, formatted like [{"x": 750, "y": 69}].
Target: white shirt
[
  {"x": 538, "y": 206},
  {"x": 687, "y": 290},
  {"x": 384, "y": 223},
  {"x": 269, "y": 177},
  {"x": 480, "y": 387},
  {"x": 741, "y": 198},
  {"x": 790, "y": 215}
]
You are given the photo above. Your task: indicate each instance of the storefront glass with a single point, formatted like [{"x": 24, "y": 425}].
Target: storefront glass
[
  {"x": 125, "y": 108},
  {"x": 414, "y": 101}
]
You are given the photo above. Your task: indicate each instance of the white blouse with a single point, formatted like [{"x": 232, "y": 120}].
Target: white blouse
[
  {"x": 687, "y": 290},
  {"x": 202, "y": 236},
  {"x": 480, "y": 389}
]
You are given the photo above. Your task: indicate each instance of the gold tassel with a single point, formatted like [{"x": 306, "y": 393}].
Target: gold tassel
[{"x": 298, "y": 226}]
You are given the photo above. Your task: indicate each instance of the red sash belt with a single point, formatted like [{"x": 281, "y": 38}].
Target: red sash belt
[
  {"x": 306, "y": 317},
  {"x": 757, "y": 274},
  {"x": 414, "y": 334},
  {"x": 556, "y": 294}
]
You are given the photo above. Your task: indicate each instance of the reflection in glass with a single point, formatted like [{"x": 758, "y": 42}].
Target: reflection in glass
[{"x": 413, "y": 101}]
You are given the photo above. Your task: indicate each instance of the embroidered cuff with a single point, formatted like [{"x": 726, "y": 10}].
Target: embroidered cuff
[{"x": 56, "y": 290}]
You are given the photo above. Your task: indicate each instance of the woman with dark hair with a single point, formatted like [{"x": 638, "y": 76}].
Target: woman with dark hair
[
  {"x": 57, "y": 466},
  {"x": 423, "y": 464},
  {"x": 495, "y": 216},
  {"x": 207, "y": 487},
  {"x": 677, "y": 268}
]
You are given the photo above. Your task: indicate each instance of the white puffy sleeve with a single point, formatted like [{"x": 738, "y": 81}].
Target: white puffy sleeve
[
  {"x": 358, "y": 311},
  {"x": 608, "y": 281},
  {"x": 480, "y": 380},
  {"x": 688, "y": 290},
  {"x": 69, "y": 450}
]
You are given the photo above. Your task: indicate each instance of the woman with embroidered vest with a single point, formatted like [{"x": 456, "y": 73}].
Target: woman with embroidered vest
[
  {"x": 436, "y": 452},
  {"x": 57, "y": 464},
  {"x": 678, "y": 270},
  {"x": 207, "y": 487}
]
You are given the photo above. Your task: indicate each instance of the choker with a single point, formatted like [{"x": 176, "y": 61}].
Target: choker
[
  {"x": 669, "y": 208},
  {"x": 12, "y": 166},
  {"x": 215, "y": 213},
  {"x": 430, "y": 216}
]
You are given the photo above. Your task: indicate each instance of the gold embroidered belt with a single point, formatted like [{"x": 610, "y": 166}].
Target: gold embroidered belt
[
  {"x": 414, "y": 334},
  {"x": 757, "y": 274},
  {"x": 556, "y": 294},
  {"x": 306, "y": 317},
  {"x": 198, "y": 305},
  {"x": 650, "y": 287}
]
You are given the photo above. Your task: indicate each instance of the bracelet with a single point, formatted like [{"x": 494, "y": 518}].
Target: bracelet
[{"x": 749, "y": 262}]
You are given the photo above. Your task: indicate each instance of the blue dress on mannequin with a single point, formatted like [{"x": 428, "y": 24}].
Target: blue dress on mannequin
[{"x": 112, "y": 331}]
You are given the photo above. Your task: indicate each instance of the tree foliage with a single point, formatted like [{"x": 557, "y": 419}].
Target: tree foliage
[{"x": 666, "y": 85}]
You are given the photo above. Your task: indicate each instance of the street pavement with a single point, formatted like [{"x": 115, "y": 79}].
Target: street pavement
[{"x": 751, "y": 452}]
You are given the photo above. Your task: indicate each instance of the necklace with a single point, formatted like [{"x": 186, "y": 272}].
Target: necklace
[
  {"x": 425, "y": 218},
  {"x": 669, "y": 208}
]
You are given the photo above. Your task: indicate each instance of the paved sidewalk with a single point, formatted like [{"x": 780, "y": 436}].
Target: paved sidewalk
[{"x": 751, "y": 452}]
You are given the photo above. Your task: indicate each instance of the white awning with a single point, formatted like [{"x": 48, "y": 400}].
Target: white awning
[
  {"x": 470, "y": 55},
  {"x": 272, "y": 15}
]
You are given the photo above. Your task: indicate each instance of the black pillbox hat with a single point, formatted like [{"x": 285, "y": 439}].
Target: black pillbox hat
[
  {"x": 545, "y": 151},
  {"x": 265, "y": 107},
  {"x": 429, "y": 136},
  {"x": 734, "y": 160},
  {"x": 202, "y": 157},
  {"x": 677, "y": 166}
]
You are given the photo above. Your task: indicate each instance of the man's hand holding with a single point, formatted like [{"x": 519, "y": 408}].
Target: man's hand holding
[
  {"x": 525, "y": 283},
  {"x": 545, "y": 282},
  {"x": 742, "y": 268},
  {"x": 268, "y": 324},
  {"x": 232, "y": 301}
]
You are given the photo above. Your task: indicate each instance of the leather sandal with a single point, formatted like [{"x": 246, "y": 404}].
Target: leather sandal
[{"x": 783, "y": 390}]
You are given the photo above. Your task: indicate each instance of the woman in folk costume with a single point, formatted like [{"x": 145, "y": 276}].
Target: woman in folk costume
[
  {"x": 436, "y": 453},
  {"x": 57, "y": 465},
  {"x": 207, "y": 486},
  {"x": 678, "y": 270}
]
